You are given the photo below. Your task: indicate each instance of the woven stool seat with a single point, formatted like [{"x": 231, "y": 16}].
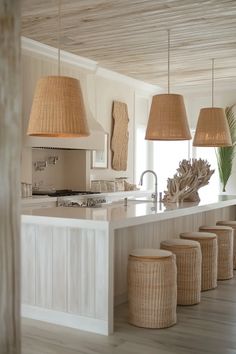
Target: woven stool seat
[
  {"x": 189, "y": 263},
  {"x": 225, "y": 249},
  {"x": 232, "y": 224},
  {"x": 152, "y": 288},
  {"x": 208, "y": 244}
]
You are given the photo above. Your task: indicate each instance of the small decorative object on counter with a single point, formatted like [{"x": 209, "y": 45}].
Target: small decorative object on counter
[
  {"x": 191, "y": 175},
  {"x": 95, "y": 186},
  {"x": 117, "y": 185},
  {"x": 130, "y": 187},
  {"x": 108, "y": 186},
  {"x": 26, "y": 190},
  {"x": 103, "y": 186}
]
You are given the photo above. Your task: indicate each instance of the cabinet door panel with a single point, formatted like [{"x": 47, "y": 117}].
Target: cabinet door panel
[
  {"x": 82, "y": 272},
  {"x": 59, "y": 269},
  {"x": 28, "y": 264},
  {"x": 44, "y": 266}
]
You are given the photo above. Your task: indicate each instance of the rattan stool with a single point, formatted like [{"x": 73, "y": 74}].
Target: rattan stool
[
  {"x": 189, "y": 262},
  {"x": 225, "y": 250},
  {"x": 152, "y": 288},
  {"x": 208, "y": 243},
  {"x": 232, "y": 224}
]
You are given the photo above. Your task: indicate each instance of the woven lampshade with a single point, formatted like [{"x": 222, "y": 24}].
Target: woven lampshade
[
  {"x": 58, "y": 109},
  {"x": 167, "y": 119},
  {"x": 212, "y": 128}
]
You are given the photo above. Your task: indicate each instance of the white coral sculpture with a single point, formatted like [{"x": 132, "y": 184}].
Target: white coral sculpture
[{"x": 190, "y": 177}]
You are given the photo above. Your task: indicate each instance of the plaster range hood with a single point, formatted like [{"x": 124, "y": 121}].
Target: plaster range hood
[{"x": 95, "y": 141}]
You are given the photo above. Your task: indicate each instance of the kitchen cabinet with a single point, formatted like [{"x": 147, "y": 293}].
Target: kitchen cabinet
[{"x": 74, "y": 267}]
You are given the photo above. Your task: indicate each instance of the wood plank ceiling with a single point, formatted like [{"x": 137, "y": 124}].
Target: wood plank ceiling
[{"x": 129, "y": 36}]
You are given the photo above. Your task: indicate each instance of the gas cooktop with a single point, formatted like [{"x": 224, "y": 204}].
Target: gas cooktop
[{"x": 62, "y": 192}]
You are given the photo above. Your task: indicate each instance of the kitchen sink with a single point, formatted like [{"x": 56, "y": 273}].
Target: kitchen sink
[{"x": 127, "y": 201}]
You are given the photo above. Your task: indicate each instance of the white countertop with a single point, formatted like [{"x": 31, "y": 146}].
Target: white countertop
[
  {"x": 38, "y": 199},
  {"x": 117, "y": 215},
  {"x": 110, "y": 196}
]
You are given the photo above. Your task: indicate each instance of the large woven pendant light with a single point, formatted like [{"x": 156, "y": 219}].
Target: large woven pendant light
[
  {"x": 212, "y": 126},
  {"x": 58, "y": 107},
  {"x": 167, "y": 118}
]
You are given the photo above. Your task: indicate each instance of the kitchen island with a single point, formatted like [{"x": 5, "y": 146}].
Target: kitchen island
[{"x": 74, "y": 260}]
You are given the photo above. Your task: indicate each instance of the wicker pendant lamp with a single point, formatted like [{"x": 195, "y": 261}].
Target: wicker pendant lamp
[
  {"x": 167, "y": 118},
  {"x": 212, "y": 126},
  {"x": 58, "y": 108}
]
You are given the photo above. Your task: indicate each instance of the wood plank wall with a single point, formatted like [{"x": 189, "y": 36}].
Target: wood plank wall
[{"x": 10, "y": 117}]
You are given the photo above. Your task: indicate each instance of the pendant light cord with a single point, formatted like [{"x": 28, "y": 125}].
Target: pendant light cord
[
  {"x": 59, "y": 37},
  {"x": 168, "y": 31},
  {"x": 212, "y": 83}
]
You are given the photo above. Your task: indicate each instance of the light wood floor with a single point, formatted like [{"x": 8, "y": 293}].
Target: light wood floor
[{"x": 209, "y": 327}]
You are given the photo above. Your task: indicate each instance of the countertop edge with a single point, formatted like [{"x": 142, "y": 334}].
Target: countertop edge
[{"x": 126, "y": 221}]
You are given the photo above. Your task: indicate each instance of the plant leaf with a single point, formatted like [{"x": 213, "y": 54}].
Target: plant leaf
[{"x": 225, "y": 155}]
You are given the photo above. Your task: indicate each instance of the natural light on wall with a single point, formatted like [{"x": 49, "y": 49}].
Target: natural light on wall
[
  {"x": 141, "y": 154},
  {"x": 164, "y": 157},
  {"x": 208, "y": 153}
]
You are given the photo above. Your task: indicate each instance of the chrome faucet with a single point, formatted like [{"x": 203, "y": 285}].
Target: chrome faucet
[{"x": 154, "y": 195}]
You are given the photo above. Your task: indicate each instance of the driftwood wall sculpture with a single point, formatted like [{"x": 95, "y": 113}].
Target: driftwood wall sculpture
[
  {"x": 120, "y": 136},
  {"x": 190, "y": 177}
]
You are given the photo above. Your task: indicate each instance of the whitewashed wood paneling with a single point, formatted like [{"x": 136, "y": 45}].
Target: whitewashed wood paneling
[
  {"x": 28, "y": 239},
  {"x": 82, "y": 272},
  {"x": 43, "y": 262},
  {"x": 65, "y": 269},
  {"x": 101, "y": 263},
  {"x": 59, "y": 268}
]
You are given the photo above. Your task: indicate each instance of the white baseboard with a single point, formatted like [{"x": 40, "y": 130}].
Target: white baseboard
[{"x": 65, "y": 319}]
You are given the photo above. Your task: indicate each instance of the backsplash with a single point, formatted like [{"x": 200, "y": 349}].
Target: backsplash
[{"x": 59, "y": 169}]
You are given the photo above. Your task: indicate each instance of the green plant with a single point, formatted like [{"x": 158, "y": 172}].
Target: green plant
[{"x": 225, "y": 155}]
